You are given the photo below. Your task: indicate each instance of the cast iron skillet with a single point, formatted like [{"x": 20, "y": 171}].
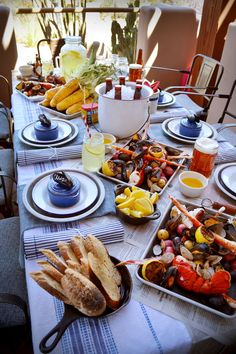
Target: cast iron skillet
[{"x": 71, "y": 314}]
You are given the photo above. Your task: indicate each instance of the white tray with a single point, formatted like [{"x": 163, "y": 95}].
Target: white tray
[
  {"x": 178, "y": 292},
  {"x": 59, "y": 114}
]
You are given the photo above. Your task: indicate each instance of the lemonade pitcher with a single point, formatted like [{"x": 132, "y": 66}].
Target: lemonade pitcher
[
  {"x": 93, "y": 152},
  {"x": 72, "y": 57}
]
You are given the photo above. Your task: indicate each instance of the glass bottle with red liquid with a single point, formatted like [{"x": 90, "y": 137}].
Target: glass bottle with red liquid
[{"x": 204, "y": 154}]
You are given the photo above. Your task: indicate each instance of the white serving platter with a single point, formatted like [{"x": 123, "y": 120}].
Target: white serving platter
[
  {"x": 191, "y": 298},
  {"x": 59, "y": 114}
]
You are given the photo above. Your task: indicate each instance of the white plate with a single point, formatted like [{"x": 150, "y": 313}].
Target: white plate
[
  {"x": 174, "y": 126},
  {"x": 59, "y": 114},
  {"x": 178, "y": 292},
  {"x": 222, "y": 187},
  {"x": 228, "y": 176},
  {"x": 88, "y": 195},
  {"x": 185, "y": 140},
  {"x": 34, "y": 210},
  {"x": 64, "y": 130},
  {"x": 72, "y": 136},
  {"x": 168, "y": 100},
  {"x": 36, "y": 98}
]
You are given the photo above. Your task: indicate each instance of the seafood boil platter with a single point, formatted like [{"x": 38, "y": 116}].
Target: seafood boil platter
[
  {"x": 193, "y": 257},
  {"x": 144, "y": 163}
]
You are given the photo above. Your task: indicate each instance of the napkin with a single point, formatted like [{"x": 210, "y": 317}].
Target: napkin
[
  {"x": 226, "y": 153},
  {"x": 169, "y": 112},
  {"x": 28, "y": 157},
  {"x": 109, "y": 232}
]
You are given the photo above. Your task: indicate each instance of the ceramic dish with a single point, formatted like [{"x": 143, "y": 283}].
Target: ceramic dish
[
  {"x": 64, "y": 130},
  {"x": 189, "y": 190},
  {"x": 86, "y": 178},
  {"x": 174, "y": 125},
  {"x": 206, "y": 127},
  {"x": 187, "y": 296},
  {"x": 88, "y": 195},
  {"x": 40, "y": 144},
  {"x": 220, "y": 182},
  {"x": 59, "y": 114},
  {"x": 36, "y": 98},
  {"x": 167, "y": 100}
]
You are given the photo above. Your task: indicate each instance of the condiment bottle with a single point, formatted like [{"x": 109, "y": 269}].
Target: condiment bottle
[
  {"x": 38, "y": 66},
  {"x": 72, "y": 57},
  {"x": 121, "y": 80},
  {"x": 117, "y": 92},
  {"x": 137, "y": 92},
  {"x": 135, "y": 72},
  {"x": 140, "y": 57},
  {"x": 108, "y": 84},
  {"x": 204, "y": 153},
  {"x": 91, "y": 111}
]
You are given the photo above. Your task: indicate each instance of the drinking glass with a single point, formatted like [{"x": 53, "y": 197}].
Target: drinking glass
[
  {"x": 93, "y": 151},
  {"x": 122, "y": 66}
]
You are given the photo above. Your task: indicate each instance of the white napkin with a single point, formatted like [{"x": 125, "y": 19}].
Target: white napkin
[
  {"x": 162, "y": 114},
  {"x": 226, "y": 153},
  {"x": 28, "y": 157}
]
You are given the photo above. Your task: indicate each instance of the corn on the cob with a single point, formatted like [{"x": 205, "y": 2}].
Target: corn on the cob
[
  {"x": 77, "y": 106},
  {"x": 75, "y": 97},
  {"x": 50, "y": 93},
  {"x": 45, "y": 103},
  {"x": 65, "y": 91}
]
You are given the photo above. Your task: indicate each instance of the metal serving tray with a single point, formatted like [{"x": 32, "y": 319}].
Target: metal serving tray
[
  {"x": 194, "y": 299},
  {"x": 181, "y": 161}
]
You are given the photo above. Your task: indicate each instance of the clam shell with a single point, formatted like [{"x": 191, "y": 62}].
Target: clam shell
[{"x": 186, "y": 253}]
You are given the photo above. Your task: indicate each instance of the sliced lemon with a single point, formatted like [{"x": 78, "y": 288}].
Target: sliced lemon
[
  {"x": 126, "y": 211},
  {"x": 153, "y": 271},
  {"x": 154, "y": 198},
  {"x": 127, "y": 191},
  {"x": 127, "y": 204},
  {"x": 134, "y": 188},
  {"x": 203, "y": 235},
  {"x": 121, "y": 198},
  {"x": 138, "y": 194},
  {"x": 144, "y": 205},
  {"x": 136, "y": 213}
]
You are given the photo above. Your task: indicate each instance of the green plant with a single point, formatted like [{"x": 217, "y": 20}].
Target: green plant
[{"x": 124, "y": 40}]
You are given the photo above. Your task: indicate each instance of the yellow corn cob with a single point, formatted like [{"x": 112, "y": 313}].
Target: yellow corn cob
[
  {"x": 45, "y": 103},
  {"x": 75, "y": 97},
  {"x": 77, "y": 106},
  {"x": 50, "y": 93},
  {"x": 65, "y": 91}
]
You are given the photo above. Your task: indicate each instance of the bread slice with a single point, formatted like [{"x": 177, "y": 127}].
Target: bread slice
[
  {"x": 54, "y": 259},
  {"x": 77, "y": 245},
  {"x": 67, "y": 252},
  {"x": 50, "y": 270},
  {"x": 107, "y": 283},
  {"x": 83, "y": 294},
  {"x": 95, "y": 246},
  {"x": 50, "y": 285}
]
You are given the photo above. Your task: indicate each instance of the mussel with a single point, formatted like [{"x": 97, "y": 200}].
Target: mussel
[{"x": 168, "y": 279}]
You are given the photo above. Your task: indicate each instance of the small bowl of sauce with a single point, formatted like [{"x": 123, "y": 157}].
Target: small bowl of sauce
[
  {"x": 192, "y": 184},
  {"x": 109, "y": 140}
]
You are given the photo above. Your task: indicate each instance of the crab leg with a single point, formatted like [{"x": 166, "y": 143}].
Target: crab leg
[{"x": 230, "y": 245}]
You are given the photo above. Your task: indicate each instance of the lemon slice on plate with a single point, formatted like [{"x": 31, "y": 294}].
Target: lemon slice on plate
[{"x": 153, "y": 270}]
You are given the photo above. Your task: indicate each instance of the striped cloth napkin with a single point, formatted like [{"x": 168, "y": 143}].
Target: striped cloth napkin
[
  {"x": 29, "y": 157},
  {"x": 226, "y": 153},
  {"x": 108, "y": 233}
]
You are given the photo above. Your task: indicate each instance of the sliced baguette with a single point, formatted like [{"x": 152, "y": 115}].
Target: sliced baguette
[
  {"x": 50, "y": 270},
  {"x": 67, "y": 252},
  {"x": 107, "y": 283},
  {"x": 95, "y": 246},
  {"x": 54, "y": 259},
  {"x": 50, "y": 285},
  {"x": 77, "y": 245},
  {"x": 83, "y": 294}
]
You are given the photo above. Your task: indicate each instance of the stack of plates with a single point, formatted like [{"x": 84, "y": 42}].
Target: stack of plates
[
  {"x": 67, "y": 131},
  {"x": 225, "y": 177},
  {"x": 37, "y": 202},
  {"x": 171, "y": 128}
]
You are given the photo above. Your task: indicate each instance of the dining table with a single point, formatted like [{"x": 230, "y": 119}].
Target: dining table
[{"x": 153, "y": 321}]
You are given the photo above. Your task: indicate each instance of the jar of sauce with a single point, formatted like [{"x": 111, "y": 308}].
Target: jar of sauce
[{"x": 204, "y": 153}]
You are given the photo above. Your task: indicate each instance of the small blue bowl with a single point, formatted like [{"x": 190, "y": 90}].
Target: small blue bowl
[
  {"x": 44, "y": 133},
  {"x": 161, "y": 96},
  {"x": 190, "y": 128},
  {"x": 62, "y": 196}
]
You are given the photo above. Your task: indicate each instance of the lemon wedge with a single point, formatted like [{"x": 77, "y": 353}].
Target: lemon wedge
[
  {"x": 136, "y": 213},
  {"x": 154, "y": 198},
  {"x": 144, "y": 205},
  {"x": 126, "y": 204},
  {"x": 121, "y": 198},
  {"x": 138, "y": 194},
  {"x": 153, "y": 271}
]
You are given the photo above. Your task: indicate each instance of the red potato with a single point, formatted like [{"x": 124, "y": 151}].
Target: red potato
[{"x": 168, "y": 171}]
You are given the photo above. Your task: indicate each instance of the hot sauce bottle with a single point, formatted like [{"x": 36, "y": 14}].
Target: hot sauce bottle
[{"x": 117, "y": 92}]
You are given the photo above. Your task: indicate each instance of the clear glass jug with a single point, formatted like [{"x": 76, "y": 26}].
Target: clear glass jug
[{"x": 72, "y": 57}]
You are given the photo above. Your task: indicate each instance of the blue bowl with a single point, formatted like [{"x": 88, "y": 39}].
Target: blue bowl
[
  {"x": 46, "y": 133},
  {"x": 190, "y": 128},
  {"x": 161, "y": 96},
  {"x": 62, "y": 196}
]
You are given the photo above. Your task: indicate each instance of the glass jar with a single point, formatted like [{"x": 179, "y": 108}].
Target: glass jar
[
  {"x": 204, "y": 153},
  {"x": 72, "y": 57},
  {"x": 93, "y": 151},
  {"x": 122, "y": 66},
  {"x": 135, "y": 72}
]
